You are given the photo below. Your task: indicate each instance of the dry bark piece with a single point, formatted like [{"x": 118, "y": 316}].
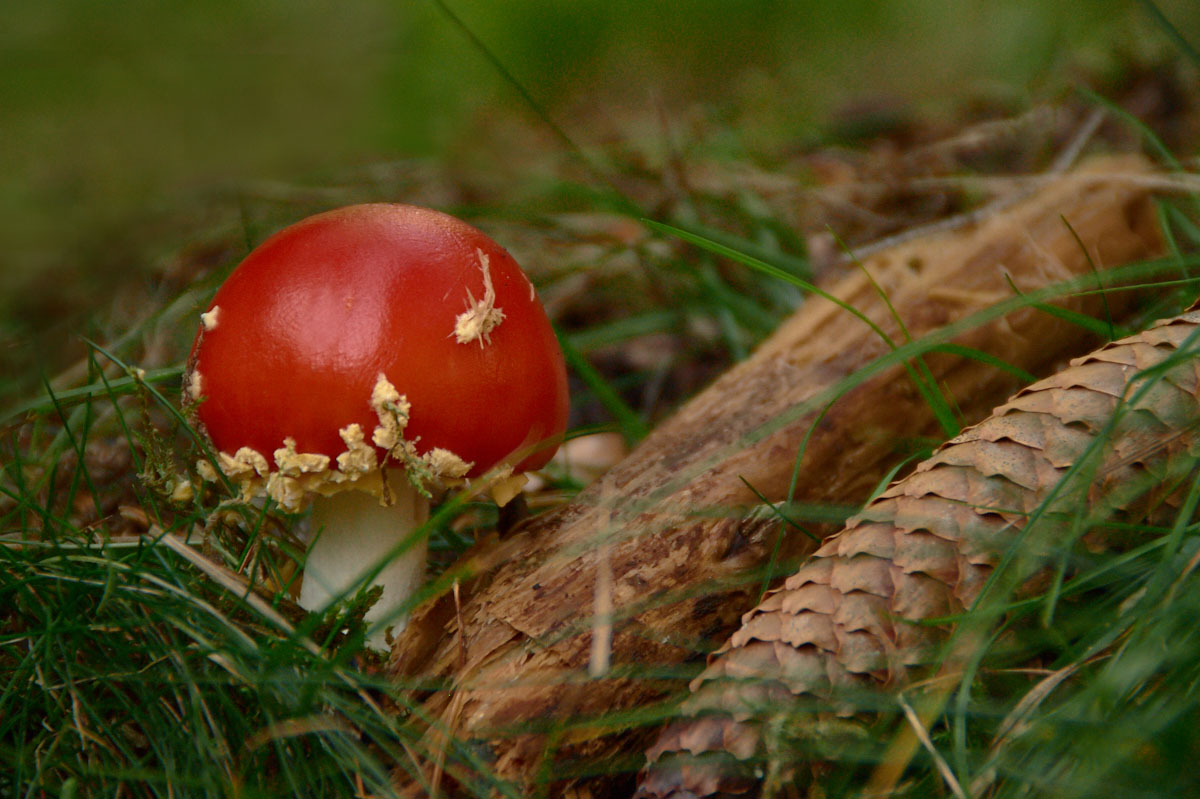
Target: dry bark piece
[
  {"x": 926, "y": 546},
  {"x": 516, "y": 648}
]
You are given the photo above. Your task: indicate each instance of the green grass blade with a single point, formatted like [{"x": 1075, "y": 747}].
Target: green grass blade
[
  {"x": 1173, "y": 33},
  {"x": 631, "y": 424}
]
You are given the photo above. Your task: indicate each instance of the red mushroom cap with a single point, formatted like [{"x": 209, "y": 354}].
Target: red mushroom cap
[{"x": 297, "y": 337}]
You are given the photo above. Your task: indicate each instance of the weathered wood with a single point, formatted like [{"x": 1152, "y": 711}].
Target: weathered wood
[{"x": 668, "y": 522}]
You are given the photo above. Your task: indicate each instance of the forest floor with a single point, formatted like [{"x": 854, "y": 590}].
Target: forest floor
[{"x": 108, "y": 642}]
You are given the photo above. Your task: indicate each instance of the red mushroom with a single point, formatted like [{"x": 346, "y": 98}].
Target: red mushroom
[{"x": 361, "y": 353}]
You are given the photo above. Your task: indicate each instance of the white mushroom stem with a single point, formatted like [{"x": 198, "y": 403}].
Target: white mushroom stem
[{"x": 353, "y": 535}]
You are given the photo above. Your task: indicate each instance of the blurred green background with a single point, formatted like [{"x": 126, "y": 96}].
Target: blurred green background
[{"x": 112, "y": 113}]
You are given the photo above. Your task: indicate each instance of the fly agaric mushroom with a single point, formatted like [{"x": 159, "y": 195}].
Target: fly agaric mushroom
[{"x": 361, "y": 354}]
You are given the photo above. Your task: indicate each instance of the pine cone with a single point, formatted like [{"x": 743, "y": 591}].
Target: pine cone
[{"x": 1098, "y": 432}]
